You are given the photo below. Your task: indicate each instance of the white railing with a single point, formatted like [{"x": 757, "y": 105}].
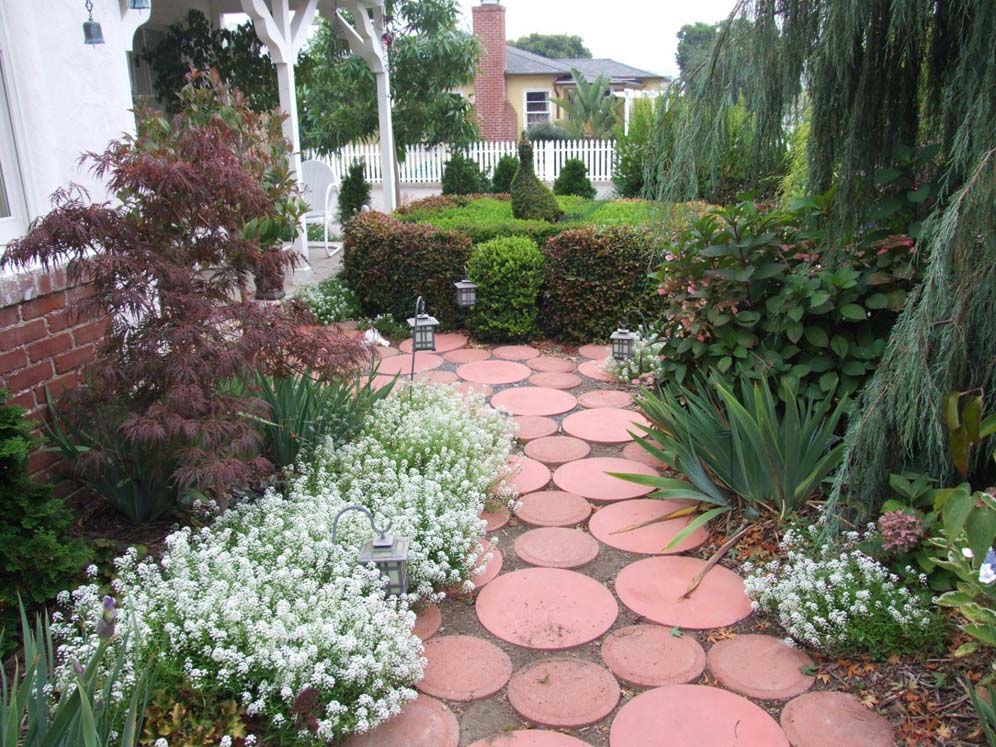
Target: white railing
[{"x": 424, "y": 164}]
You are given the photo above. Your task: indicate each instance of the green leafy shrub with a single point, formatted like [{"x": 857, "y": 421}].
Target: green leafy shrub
[
  {"x": 573, "y": 180},
  {"x": 501, "y": 179},
  {"x": 36, "y": 555},
  {"x": 632, "y": 150},
  {"x": 592, "y": 277},
  {"x": 388, "y": 264},
  {"x": 547, "y": 131},
  {"x": 531, "y": 199},
  {"x": 508, "y": 273},
  {"x": 330, "y": 301},
  {"x": 354, "y": 192},
  {"x": 461, "y": 176}
]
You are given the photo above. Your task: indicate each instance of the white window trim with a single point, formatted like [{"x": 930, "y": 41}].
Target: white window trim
[
  {"x": 16, "y": 224},
  {"x": 525, "y": 105}
]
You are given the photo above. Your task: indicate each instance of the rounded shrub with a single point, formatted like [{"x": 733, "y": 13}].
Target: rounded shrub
[
  {"x": 388, "y": 263},
  {"x": 531, "y": 199},
  {"x": 461, "y": 176},
  {"x": 354, "y": 192},
  {"x": 501, "y": 180},
  {"x": 573, "y": 180},
  {"x": 509, "y": 273},
  {"x": 592, "y": 277}
]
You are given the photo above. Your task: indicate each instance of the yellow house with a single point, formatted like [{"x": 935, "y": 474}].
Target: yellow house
[{"x": 515, "y": 89}]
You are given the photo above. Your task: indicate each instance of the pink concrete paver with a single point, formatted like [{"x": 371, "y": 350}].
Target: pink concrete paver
[
  {"x": 493, "y": 372},
  {"x": 531, "y": 476},
  {"x": 829, "y": 719},
  {"x": 386, "y": 352},
  {"x": 693, "y": 716},
  {"x": 593, "y": 370},
  {"x": 534, "y": 400},
  {"x": 589, "y": 479},
  {"x": 760, "y": 666},
  {"x": 638, "y": 454},
  {"x": 595, "y": 352},
  {"x": 553, "y": 508},
  {"x": 440, "y": 377},
  {"x": 605, "y": 398},
  {"x": 530, "y": 738},
  {"x": 605, "y": 425},
  {"x": 445, "y": 342},
  {"x": 496, "y": 519},
  {"x": 556, "y": 547},
  {"x": 425, "y": 722},
  {"x": 546, "y": 608},
  {"x": 402, "y": 364},
  {"x": 515, "y": 352},
  {"x": 466, "y": 388},
  {"x": 557, "y": 449},
  {"x": 534, "y": 426},
  {"x": 655, "y": 588},
  {"x": 462, "y": 668},
  {"x": 652, "y": 539},
  {"x": 550, "y": 364},
  {"x": 563, "y": 692},
  {"x": 555, "y": 380},
  {"x": 652, "y": 656},
  {"x": 427, "y": 621},
  {"x": 467, "y": 355}
]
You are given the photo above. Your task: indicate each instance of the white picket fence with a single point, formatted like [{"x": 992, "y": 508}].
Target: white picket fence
[{"x": 424, "y": 164}]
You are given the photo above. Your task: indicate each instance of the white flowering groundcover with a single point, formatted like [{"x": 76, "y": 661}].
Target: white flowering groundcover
[{"x": 262, "y": 605}]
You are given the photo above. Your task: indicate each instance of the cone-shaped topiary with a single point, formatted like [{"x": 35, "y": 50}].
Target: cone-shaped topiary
[
  {"x": 531, "y": 199},
  {"x": 573, "y": 180},
  {"x": 354, "y": 192}
]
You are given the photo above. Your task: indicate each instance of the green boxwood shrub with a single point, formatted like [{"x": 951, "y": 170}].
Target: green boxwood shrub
[
  {"x": 501, "y": 180},
  {"x": 531, "y": 199},
  {"x": 387, "y": 263},
  {"x": 354, "y": 192},
  {"x": 592, "y": 277},
  {"x": 461, "y": 176},
  {"x": 508, "y": 272},
  {"x": 573, "y": 180}
]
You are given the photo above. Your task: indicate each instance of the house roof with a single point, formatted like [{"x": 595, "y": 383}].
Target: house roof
[{"x": 520, "y": 62}]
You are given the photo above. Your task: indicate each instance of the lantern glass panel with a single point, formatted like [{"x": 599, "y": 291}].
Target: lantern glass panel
[
  {"x": 423, "y": 332},
  {"x": 623, "y": 344},
  {"x": 466, "y": 294},
  {"x": 391, "y": 561}
]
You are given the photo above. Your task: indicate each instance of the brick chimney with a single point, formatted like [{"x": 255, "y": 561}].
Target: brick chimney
[{"x": 496, "y": 117}]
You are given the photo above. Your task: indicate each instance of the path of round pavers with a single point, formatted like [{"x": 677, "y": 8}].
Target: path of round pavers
[{"x": 609, "y": 653}]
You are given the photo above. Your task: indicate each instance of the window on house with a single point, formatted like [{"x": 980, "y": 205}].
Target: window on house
[
  {"x": 537, "y": 108},
  {"x": 12, "y": 218}
]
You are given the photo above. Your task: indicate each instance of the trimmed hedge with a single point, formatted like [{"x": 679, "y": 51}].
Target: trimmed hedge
[
  {"x": 508, "y": 272},
  {"x": 592, "y": 277},
  {"x": 387, "y": 263}
]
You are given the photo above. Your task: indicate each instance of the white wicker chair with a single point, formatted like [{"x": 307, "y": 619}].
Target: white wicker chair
[{"x": 320, "y": 189}]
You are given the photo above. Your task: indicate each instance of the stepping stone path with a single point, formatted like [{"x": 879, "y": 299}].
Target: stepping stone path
[{"x": 620, "y": 617}]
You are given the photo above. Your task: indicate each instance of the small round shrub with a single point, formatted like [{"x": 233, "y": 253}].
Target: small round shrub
[
  {"x": 354, "y": 193},
  {"x": 501, "y": 180},
  {"x": 461, "y": 176},
  {"x": 508, "y": 272},
  {"x": 573, "y": 180},
  {"x": 531, "y": 199},
  {"x": 592, "y": 277}
]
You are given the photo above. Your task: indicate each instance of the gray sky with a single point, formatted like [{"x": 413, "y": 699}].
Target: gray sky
[{"x": 640, "y": 33}]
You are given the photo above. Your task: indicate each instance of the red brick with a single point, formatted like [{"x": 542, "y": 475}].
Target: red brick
[
  {"x": 90, "y": 332},
  {"x": 14, "y": 337},
  {"x": 79, "y": 292},
  {"x": 59, "y": 320},
  {"x": 10, "y": 316},
  {"x": 73, "y": 359},
  {"x": 56, "y": 387},
  {"x": 12, "y": 360},
  {"x": 42, "y": 459},
  {"x": 25, "y": 400},
  {"x": 43, "y": 305},
  {"x": 30, "y": 377},
  {"x": 51, "y": 281},
  {"x": 50, "y": 346}
]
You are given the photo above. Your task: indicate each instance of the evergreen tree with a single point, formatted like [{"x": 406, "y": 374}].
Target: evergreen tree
[{"x": 354, "y": 192}]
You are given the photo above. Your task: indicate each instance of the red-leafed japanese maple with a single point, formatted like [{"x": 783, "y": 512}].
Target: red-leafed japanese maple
[{"x": 202, "y": 200}]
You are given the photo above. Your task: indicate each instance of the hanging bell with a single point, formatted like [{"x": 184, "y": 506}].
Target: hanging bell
[{"x": 92, "y": 33}]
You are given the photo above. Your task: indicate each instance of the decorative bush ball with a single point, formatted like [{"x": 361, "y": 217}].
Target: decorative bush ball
[
  {"x": 501, "y": 180},
  {"x": 354, "y": 193},
  {"x": 508, "y": 273},
  {"x": 573, "y": 180},
  {"x": 531, "y": 199},
  {"x": 461, "y": 176}
]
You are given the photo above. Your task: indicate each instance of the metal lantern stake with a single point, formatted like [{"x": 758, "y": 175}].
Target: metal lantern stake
[
  {"x": 92, "y": 33},
  {"x": 389, "y": 554},
  {"x": 423, "y": 331}
]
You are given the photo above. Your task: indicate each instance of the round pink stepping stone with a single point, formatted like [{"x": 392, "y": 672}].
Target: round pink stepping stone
[
  {"x": 555, "y": 380},
  {"x": 467, "y": 355},
  {"x": 595, "y": 352},
  {"x": 556, "y": 547},
  {"x": 557, "y": 449},
  {"x": 496, "y": 519},
  {"x": 546, "y": 608},
  {"x": 445, "y": 342},
  {"x": 760, "y": 666},
  {"x": 515, "y": 352},
  {"x": 650, "y": 656},
  {"x": 654, "y": 588},
  {"x": 553, "y": 508},
  {"x": 605, "y": 398},
  {"x": 593, "y": 370},
  {"x": 534, "y": 400},
  {"x": 462, "y": 667},
  {"x": 829, "y": 719},
  {"x": 534, "y": 426},
  {"x": 532, "y": 475},
  {"x": 588, "y": 478},
  {"x": 638, "y": 454},
  {"x": 530, "y": 738},
  {"x": 648, "y": 540},
  {"x": 494, "y": 372},
  {"x": 427, "y": 621},
  {"x": 440, "y": 377},
  {"x": 465, "y": 388},
  {"x": 425, "y": 722},
  {"x": 549, "y": 364},
  {"x": 687, "y": 715},
  {"x": 386, "y": 352},
  {"x": 402, "y": 364},
  {"x": 378, "y": 382},
  {"x": 605, "y": 425},
  {"x": 563, "y": 692}
]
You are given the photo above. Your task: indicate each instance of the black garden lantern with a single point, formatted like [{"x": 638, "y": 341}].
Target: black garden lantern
[
  {"x": 389, "y": 554},
  {"x": 423, "y": 328},
  {"x": 466, "y": 293}
]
